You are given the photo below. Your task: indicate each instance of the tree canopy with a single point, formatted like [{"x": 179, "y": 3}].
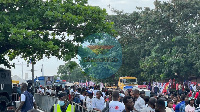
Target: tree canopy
[
  {"x": 71, "y": 71},
  {"x": 158, "y": 43},
  {"x": 33, "y": 29}
]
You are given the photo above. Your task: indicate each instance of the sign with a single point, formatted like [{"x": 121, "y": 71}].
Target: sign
[{"x": 49, "y": 80}]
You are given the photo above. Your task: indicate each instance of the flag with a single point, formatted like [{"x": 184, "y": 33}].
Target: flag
[{"x": 165, "y": 88}]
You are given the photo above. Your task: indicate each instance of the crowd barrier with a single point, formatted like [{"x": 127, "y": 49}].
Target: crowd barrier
[
  {"x": 15, "y": 97},
  {"x": 45, "y": 103}
]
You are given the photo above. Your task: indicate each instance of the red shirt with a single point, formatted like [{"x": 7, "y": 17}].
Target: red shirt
[{"x": 196, "y": 95}]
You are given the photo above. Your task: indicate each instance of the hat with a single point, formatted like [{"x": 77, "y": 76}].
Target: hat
[{"x": 40, "y": 85}]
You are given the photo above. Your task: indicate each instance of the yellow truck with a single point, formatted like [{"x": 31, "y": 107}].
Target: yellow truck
[{"x": 127, "y": 82}]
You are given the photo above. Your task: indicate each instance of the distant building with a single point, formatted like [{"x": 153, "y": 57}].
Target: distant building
[{"x": 26, "y": 76}]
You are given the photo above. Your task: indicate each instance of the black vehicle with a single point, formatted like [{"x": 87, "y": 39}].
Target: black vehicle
[{"x": 5, "y": 89}]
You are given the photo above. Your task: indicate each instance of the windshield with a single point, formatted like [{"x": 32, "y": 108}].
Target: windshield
[{"x": 129, "y": 81}]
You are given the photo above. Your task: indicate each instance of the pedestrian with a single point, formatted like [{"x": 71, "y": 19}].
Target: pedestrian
[
  {"x": 175, "y": 99},
  {"x": 169, "y": 107},
  {"x": 115, "y": 105},
  {"x": 27, "y": 100},
  {"x": 129, "y": 104},
  {"x": 98, "y": 102},
  {"x": 160, "y": 106},
  {"x": 181, "y": 105},
  {"x": 156, "y": 89},
  {"x": 139, "y": 102},
  {"x": 190, "y": 107},
  {"x": 88, "y": 103},
  {"x": 74, "y": 98},
  {"x": 151, "y": 105},
  {"x": 61, "y": 105}
]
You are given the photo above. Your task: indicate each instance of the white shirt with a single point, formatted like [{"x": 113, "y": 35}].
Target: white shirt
[
  {"x": 82, "y": 97},
  {"x": 48, "y": 90},
  {"x": 189, "y": 108},
  {"x": 116, "y": 106},
  {"x": 148, "y": 109},
  {"x": 94, "y": 92},
  {"x": 103, "y": 94},
  {"x": 139, "y": 104},
  {"x": 98, "y": 103},
  {"x": 89, "y": 103},
  {"x": 23, "y": 98}
]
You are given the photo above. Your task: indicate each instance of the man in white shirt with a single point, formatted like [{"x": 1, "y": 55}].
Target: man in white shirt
[
  {"x": 98, "y": 102},
  {"x": 139, "y": 102},
  {"x": 88, "y": 101},
  {"x": 115, "y": 105},
  {"x": 27, "y": 100}
]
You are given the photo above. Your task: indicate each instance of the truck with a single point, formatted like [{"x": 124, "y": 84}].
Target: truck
[
  {"x": 5, "y": 89},
  {"x": 127, "y": 83}
]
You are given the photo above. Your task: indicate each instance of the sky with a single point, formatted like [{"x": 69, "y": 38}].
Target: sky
[{"x": 51, "y": 65}]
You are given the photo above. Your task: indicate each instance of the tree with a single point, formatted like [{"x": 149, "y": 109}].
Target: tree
[
  {"x": 157, "y": 43},
  {"x": 33, "y": 29},
  {"x": 71, "y": 71}
]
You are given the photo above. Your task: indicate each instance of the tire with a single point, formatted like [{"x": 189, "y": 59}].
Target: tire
[{"x": 3, "y": 103}]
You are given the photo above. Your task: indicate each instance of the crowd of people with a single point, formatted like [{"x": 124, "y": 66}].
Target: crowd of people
[{"x": 117, "y": 100}]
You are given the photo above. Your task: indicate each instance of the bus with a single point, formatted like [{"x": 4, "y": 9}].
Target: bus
[{"x": 127, "y": 82}]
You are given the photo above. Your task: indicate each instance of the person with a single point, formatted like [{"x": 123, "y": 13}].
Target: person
[
  {"x": 48, "y": 82},
  {"x": 48, "y": 91},
  {"x": 156, "y": 89},
  {"x": 62, "y": 104},
  {"x": 142, "y": 94},
  {"x": 151, "y": 105},
  {"x": 139, "y": 102},
  {"x": 115, "y": 105},
  {"x": 126, "y": 93},
  {"x": 190, "y": 107},
  {"x": 169, "y": 107},
  {"x": 88, "y": 103},
  {"x": 74, "y": 98},
  {"x": 130, "y": 92},
  {"x": 98, "y": 102},
  {"x": 180, "y": 89},
  {"x": 82, "y": 96},
  {"x": 160, "y": 106},
  {"x": 181, "y": 105},
  {"x": 129, "y": 103},
  {"x": 146, "y": 99},
  {"x": 175, "y": 102},
  {"x": 27, "y": 100}
]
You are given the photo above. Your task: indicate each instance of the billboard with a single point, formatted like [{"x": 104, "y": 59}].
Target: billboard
[{"x": 49, "y": 80}]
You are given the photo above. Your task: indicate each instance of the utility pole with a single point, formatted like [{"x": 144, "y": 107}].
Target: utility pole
[
  {"x": 22, "y": 71},
  {"x": 42, "y": 70},
  {"x": 32, "y": 70}
]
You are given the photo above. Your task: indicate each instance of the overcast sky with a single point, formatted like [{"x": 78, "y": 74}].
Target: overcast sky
[{"x": 50, "y": 65}]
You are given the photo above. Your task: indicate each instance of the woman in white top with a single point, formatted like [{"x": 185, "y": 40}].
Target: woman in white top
[{"x": 169, "y": 107}]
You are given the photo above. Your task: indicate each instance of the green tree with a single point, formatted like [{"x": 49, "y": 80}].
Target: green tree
[
  {"x": 71, "y": 71},
  {"x": 157, "y": 43},
  {"x": 33, "y": 29}
]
